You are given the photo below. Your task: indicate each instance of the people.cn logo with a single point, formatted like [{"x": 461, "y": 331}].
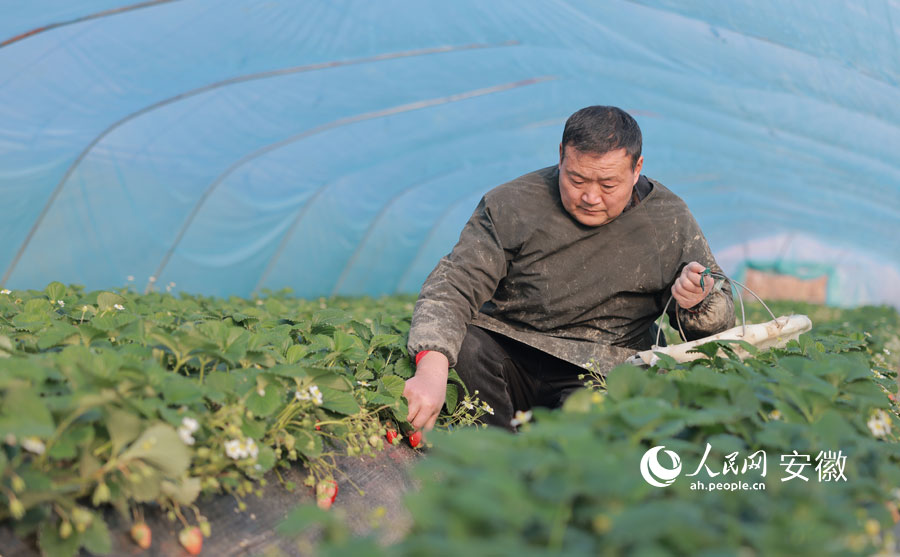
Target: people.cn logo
[{"x": 655, "y": 473}]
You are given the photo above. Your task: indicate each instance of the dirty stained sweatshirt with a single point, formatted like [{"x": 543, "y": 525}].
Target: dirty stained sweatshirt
[{"x": 526, "y": 269}]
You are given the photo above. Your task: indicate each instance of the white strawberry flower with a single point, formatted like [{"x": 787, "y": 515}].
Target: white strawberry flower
[
  {"x": 879, "y": 424},
  {"x": 311, "y": 393},
  {"x": 186, "y": 436},
  {"x": 33, "y": 445},
  {"x": 487, "y": 408},
  {"x": 520, "y": 418},
  {"x": 877, "y": 428},
  {"x": 234, "y": 449},
  {"x": 119, "y": 307},
  {"x": 61, "y": 303},
  {"x": 362, "y": 383},
  {"x": 316, "y": 394},
  {"x": 190, "y": 424},
  {"x": 6, "y": 292},
  {"x": 881, "y": 415}
]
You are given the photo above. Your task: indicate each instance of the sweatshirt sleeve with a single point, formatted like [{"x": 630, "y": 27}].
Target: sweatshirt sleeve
[
  {"x": 716, "y": 312},
  {"x": 458, "y": 286}
]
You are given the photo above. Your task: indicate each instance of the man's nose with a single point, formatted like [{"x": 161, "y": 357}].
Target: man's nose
[{"x": 592, "y": 198}]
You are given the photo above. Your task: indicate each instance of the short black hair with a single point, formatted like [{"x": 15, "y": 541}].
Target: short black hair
[{"x": 601, "y": 129}]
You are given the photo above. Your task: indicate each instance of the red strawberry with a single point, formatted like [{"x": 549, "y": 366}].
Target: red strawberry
[
  {"x": 415, "y": 439},
  {"x": 192, "y": 540},
  {"x": 141, "y": 535},
  {"x": 326, "y": 493},
  {"x": 391, "y": 435}
]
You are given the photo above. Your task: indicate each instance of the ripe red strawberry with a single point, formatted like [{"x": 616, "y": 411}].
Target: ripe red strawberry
[
  {"x": 192, "y": 540},
  {"x": 415, "y": 439},
  {"x": 391, "y": 435},
  {"x": 326, "y": 493},
  {"x": 141, "y": 535}
]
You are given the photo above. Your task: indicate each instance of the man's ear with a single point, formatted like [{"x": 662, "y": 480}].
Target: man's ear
[
  {"x": 560, "y": 153},
  {"x": 637, "y": 168}
]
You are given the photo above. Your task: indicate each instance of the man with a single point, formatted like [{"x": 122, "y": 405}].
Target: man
[{"x": 557, "y": 268}]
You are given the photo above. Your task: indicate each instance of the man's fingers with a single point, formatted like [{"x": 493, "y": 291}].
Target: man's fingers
[
  {"x": 691, "y": 273},
  {"x": 689, "y": 285},
  {"x": 418, "y": 422},
  {"x": 685, "y": 286},
  {"x": 688, "y": 292},
  {"x": 691, "y": 277},
  {"x": 421, "y": 421},
  {"x": 414, "y": 408},
  {"x": 685, "y": 297},
  {"x": 429, "y": 425},
  {"x": 420, "y": 415},
  {"x": 707, "y": 284},
  {"x": 426, "y": 417}
]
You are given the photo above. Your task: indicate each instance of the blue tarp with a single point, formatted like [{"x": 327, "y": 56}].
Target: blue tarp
[{"x": 338, "y": 147}]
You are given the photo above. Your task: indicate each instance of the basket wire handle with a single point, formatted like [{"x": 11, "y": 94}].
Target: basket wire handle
[{"x": 710, "y": 273}]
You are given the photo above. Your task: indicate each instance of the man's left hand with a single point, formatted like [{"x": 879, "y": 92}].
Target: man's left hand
[{"x": 686, "y": 290}]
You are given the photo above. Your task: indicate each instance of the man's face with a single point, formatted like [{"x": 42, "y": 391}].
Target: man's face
[{"x": 595, "y": 188}]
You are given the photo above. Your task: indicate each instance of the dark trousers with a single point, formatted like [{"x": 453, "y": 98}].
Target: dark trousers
[{"x": 511, "y": 376}]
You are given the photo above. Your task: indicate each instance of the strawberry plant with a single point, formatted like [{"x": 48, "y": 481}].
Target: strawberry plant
[
  {"x": 120, "y": 399},
  {"x": 571, "y": 481}
]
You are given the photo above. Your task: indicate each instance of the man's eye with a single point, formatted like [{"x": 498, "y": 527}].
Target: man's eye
[{"x": 578, "y": 182}]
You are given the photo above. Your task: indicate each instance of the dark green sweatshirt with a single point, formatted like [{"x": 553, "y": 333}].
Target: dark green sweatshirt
[{"x": 525, "y": 268}]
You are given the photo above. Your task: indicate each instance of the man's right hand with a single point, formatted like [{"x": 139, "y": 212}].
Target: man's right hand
[{"x": 427, "y": 390}]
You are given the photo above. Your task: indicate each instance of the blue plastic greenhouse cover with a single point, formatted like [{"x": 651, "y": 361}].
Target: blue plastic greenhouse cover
[{"x": 338, "y": 147}]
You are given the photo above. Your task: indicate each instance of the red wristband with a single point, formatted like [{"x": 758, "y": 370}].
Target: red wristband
[{"x": 420, "y": 354}]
